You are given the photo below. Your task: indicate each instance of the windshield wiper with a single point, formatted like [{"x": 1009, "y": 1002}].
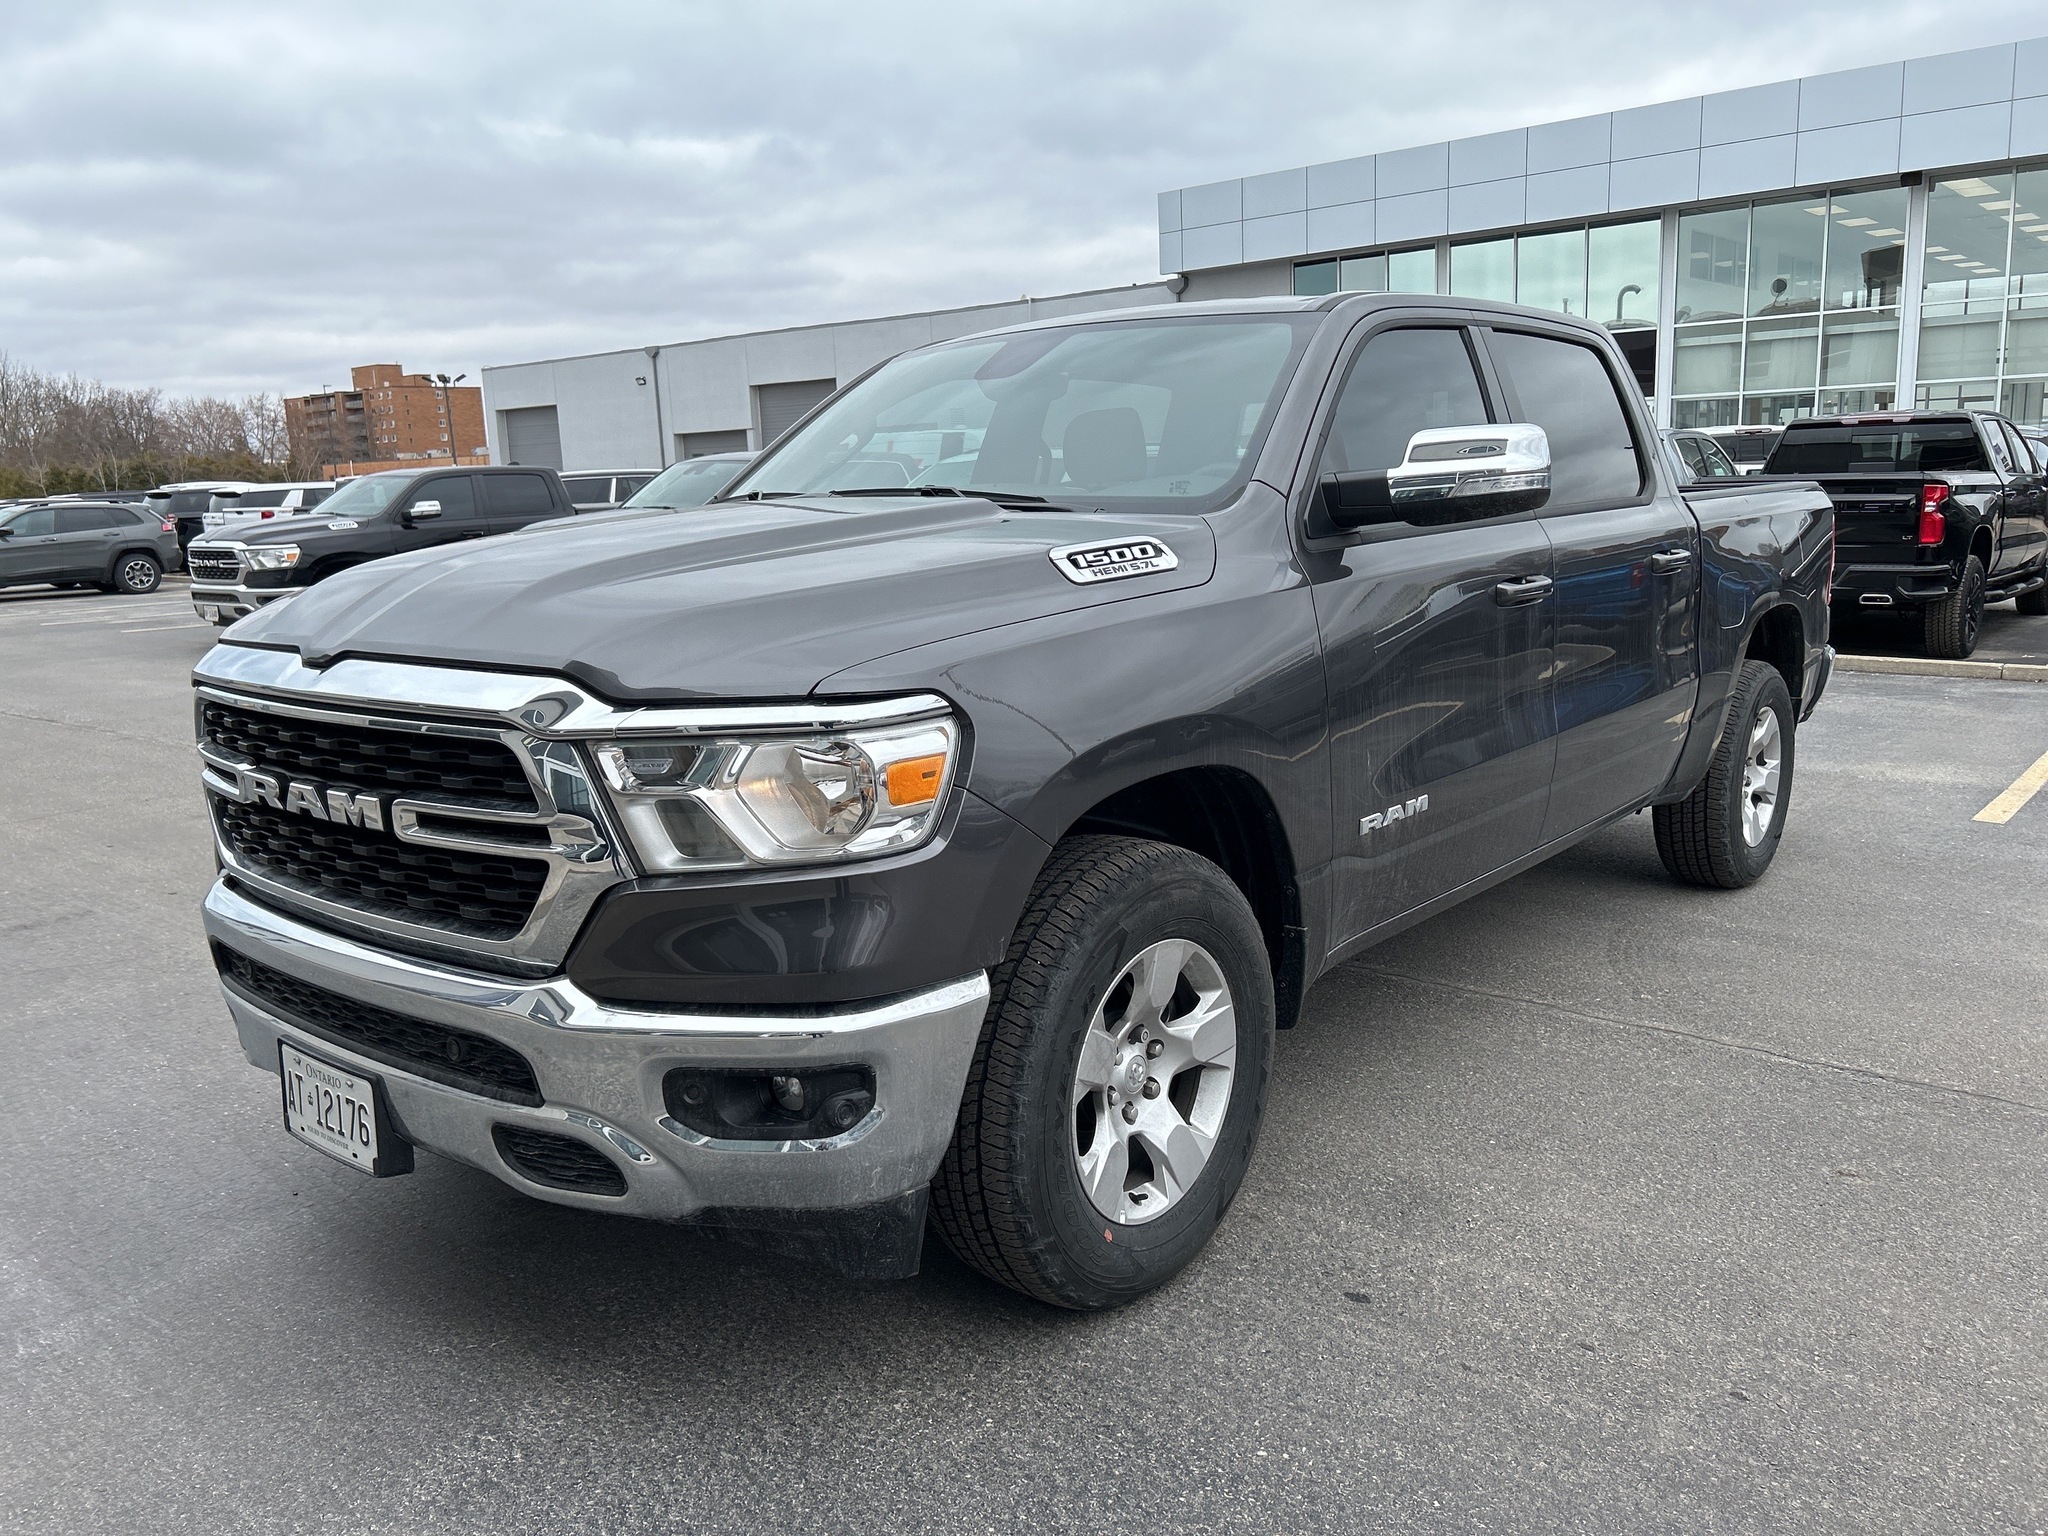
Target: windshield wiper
[
  {"x": 1000, "y": 498},
  {"x": 756, "y": 496}
]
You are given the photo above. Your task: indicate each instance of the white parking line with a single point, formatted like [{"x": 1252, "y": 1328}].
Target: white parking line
[
  {"x": 112, "y": 615},
  {"x": 2017, "y": 794},
  {"x": 160, "y": 628}
]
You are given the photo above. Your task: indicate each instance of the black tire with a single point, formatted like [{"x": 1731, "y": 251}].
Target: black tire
[
  {"x": 135, "y": 575},
  {"x": 1952, "y": 624},
  {"x": 1701, "y": 838},
  {"x": 2034, "y": 603},
  {"x": 1009, "y": 1199}
]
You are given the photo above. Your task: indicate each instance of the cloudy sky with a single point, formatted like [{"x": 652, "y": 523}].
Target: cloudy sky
[{"x": 234, "y": 197}]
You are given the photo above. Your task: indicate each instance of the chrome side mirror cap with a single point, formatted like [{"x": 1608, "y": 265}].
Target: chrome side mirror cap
[{"x": 1449, "y": 474}]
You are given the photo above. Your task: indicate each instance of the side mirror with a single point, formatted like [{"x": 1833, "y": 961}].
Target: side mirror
[
  {"x": 6, "y": 533},
  {"x": 1449, "y": 475},
  {"x": 422, "y": 512}
]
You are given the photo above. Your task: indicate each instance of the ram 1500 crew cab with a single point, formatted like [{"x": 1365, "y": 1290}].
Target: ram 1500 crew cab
[{"x": 840, "y": 855}]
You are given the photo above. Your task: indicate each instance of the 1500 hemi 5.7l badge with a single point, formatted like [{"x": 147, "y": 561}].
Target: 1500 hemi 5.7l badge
[{"x": 1113, "y": 561}]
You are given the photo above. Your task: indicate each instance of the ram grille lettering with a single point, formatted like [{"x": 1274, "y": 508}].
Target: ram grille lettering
[
  {"x": 1113, "y": 560},
  {"x": 1392, "y": 814}
]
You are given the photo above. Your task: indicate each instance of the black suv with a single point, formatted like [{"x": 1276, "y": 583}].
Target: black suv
[{"x": 392, "y": 513}]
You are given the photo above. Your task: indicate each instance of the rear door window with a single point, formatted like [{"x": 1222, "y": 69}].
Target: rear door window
[
  {"x": 586, "y": 492},
  {"x": 1564, "y": 388},
  {"x": 83, "y": 520},
  {"x": 519, "y": 495}
]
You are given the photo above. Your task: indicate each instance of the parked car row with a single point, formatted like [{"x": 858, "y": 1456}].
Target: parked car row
[{"x": 107, "y": 544}]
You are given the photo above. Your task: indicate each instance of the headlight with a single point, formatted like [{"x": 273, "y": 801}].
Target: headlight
[
  {"x": 278, "y": 557},
  {"x": 731, "y": 803}
]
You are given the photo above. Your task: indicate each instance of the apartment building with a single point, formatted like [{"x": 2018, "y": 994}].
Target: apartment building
[{"x": 387, "y": 418}]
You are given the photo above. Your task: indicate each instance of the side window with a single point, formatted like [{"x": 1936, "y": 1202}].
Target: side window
[
  {"x": 31, "y": 525},
  {"x": 313, "y": 495},
  {"x": 456, "y": 495},
  {"x": 583, "y": 492},
  {"x": 2023, "y": 463},
  {"x": 82, "y": 520},
  {"x": 1994, "y": 439},
  {"x": 1402, "y": 383},
  {"x": 1565, "y": 389},
  {"x": 519, "y": 495},
  {"x": 633, "y": 485},
  {"x": 1715, "y": 462},
  {"x": 1695, "y": 461}
]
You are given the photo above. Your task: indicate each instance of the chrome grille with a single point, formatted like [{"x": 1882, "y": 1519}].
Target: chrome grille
[{"x": 212, "y": 564}]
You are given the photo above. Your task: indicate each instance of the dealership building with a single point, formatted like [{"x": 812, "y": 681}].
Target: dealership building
[{"x": 1853, "y": 241}]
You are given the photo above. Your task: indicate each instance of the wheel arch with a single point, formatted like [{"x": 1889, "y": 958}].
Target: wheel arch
[
  {"x": 1228, "y": 817},
  {"x": 1779, "y": 637},
  {"x": 1983, "y": 546}
]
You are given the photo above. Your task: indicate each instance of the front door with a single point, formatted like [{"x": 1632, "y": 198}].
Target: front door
[
  {"x": 460, "y": 517},
  {"x": 1626, "y": 607},
  {"x": 30, "y": 551},
  {"x": 1436, "y": 645},
  {"x": 84, "y": 545}
]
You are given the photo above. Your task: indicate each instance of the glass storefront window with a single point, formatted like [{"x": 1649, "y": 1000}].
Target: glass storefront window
[
  {"x": 1621, "y": 272},
  {"x": 1860, "y": 348},
  {"x": 1484, "y": 269},
  {"x": 1550, "y": 271},
  {"x": 1781, "y": 355},
  {"x": 1708, "y": 359},
  {"x": 1968, "y": 236},
  {"x": 1412, "y": 271},
  {"x": 2026, "y": 401},
  {"x": 1724, "y": 412},
  {"x": 1314, "y": 277},
  {"x": 1785, "y": 243},
  {"x": 1866, "y": 249},
  {"x": 1957, "y": 395},
  {"x": 1363, "y": 274},
  {"x": 1713, "y": 264},
  {"x": 1774, "y": 410}
]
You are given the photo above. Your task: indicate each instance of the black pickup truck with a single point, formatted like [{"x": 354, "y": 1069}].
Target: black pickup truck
[
  {"x": 1937, "y": 512},
  {"x": 237, "y": 570},
  {"x": 839, "y": 857}
]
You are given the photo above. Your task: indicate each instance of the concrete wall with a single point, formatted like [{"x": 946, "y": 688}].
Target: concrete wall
[{"x": 607, "y": 415}]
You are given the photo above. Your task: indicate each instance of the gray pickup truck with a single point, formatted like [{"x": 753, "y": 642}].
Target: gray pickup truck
[{"x": 838, "y": 858}]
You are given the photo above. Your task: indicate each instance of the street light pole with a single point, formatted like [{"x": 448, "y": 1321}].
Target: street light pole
[{"x": 441, "y": 386}]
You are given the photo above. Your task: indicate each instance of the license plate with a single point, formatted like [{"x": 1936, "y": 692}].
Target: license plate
[
  {"x": 336, "y": 1111},
  {"x": 210, "y": 612}
]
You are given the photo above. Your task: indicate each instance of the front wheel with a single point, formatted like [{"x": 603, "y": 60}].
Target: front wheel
[
  {"x": 1725, "y": 833},
  {"x": 1117, "y": 1089}
]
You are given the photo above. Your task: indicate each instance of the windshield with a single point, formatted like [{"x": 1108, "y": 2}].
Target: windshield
[
  {"x": 688, "y": 484},
  {"x": 365, "y": 497},
  {"x": 1167, "y": 410},
  {"x": 1929, "y": 447}
]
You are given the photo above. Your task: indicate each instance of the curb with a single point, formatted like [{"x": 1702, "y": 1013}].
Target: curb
[{"x": 1915, "y": 666}]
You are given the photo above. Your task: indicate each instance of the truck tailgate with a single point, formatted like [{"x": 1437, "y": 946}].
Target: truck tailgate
[{"x": 1877, "y": 517}]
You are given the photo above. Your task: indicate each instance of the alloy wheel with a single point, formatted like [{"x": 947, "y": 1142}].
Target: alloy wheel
[
  {"x": 1761, "y": 768},
  {"x": 1153, "y": 1082}
]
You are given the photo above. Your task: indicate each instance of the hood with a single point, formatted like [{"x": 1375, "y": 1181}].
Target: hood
[{"x": 735, "y": 600}]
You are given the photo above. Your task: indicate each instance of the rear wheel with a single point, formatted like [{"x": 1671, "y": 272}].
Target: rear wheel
[
  {"x": 1116, "y": 1093},
  {"x": 1951, "y": 625},
  {"x": 1725, "y": 833},
  {"x": 136, "y": 574}
]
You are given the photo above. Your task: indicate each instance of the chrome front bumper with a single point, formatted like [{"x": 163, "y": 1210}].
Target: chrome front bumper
[
  {"x": 600, "y": 1071},
  {"x": 216, "y": 601}
]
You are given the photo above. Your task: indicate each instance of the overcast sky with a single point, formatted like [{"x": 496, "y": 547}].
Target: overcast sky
[{"x": 235, "y": 197}]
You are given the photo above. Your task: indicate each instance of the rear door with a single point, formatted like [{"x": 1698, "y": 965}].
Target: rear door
[
  {"x": 460, "y": 516},
  {"x": 1626, "y": 559},
  {"x": 511, "y": 501},
  {"x": 83, "y": 548},
  {"x": 1436, "y": 645}
]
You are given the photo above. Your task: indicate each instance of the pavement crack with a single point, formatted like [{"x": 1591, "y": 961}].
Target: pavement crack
[
  {"x": 1817, "y": 1062},
  {"x": 91, "y": 730}
]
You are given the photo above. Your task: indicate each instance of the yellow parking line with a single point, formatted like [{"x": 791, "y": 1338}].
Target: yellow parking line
[{"x": 2021, "y": 790}]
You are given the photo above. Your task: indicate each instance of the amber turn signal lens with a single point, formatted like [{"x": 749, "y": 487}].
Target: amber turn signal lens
[{"x": 915, "y": 780}]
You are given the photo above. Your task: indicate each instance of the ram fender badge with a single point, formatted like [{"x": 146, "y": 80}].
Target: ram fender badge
[
  {"x": 1112, "y": 560},
  {"x": 1392, "y": 814}
]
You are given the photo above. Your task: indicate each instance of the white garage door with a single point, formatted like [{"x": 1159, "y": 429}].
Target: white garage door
[{"x": 533, "y": 436}]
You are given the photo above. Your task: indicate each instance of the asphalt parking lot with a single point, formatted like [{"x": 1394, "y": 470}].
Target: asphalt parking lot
[{"x": 1596, "y": 1205}]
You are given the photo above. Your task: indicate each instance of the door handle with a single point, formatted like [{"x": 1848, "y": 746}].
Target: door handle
[
  {"x": 1523, "y": 589},
  {"x": 1668, "y": 560}
]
